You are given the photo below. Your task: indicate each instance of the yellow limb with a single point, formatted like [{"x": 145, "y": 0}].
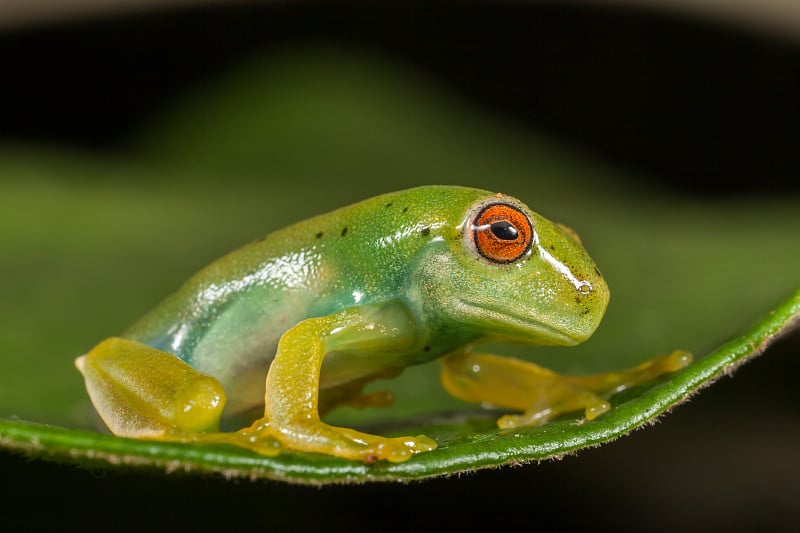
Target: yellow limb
[
  {"x": 541, "y": 393},
  {"x": 139, "y": 391},
  {"x": 292, "y": 397}
]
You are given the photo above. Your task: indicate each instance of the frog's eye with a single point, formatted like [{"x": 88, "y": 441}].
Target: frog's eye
[{"x": 501, "y": 233}]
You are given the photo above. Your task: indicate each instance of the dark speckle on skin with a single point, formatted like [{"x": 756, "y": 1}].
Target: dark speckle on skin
[
  {"x": 344, "y": 231},
  {"x": 552, "y": 248},
  {"x": 427, "y": 348},
  {"x": 426, "y": 230},
  {"x": 319, "y": 235},
  {"x": 389, "y": 204},
  {"x": 405, "y": 210}
]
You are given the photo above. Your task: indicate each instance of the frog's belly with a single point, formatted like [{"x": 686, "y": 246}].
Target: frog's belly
[{"x": 239, "y": 347}]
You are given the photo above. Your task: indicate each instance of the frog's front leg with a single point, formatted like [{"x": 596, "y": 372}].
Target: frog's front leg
[
  {"x": 540, "y": 393},
  {"x": 292, "y": 397}
]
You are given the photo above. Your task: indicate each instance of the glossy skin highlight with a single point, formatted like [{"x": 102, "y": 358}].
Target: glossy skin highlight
[{"x": 298, "y": 322}]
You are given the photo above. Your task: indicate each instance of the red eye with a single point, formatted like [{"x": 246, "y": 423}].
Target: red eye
[{"x": 502, "y": 233}]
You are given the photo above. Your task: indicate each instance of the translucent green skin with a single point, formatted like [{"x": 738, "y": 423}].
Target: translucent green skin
[{"x": 410, "y": 246}]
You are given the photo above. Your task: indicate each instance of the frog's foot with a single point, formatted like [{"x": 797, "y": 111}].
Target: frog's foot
[
  {"x": 266, "y": 439},
  {"x": 592, "y": 406},
  {"x": 318, "y": 437},
  {"x": 613, "y": 382},
  {"x": 540, "y": 393},
  {"x": 256, "y": 438},
  {"x": 142, "y": 392}
]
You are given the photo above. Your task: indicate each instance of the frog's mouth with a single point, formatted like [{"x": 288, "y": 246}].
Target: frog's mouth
[{"x": 515, "y": 327}]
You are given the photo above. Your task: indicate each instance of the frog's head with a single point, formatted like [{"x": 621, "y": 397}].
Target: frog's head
[{"x": 505, "y": 272}]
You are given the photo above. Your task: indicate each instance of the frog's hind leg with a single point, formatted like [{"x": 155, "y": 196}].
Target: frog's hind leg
[
  {"x": 538, "y": 392},
  {"x": 352, "y": 394},
  {"x": 142, "y": 392}
]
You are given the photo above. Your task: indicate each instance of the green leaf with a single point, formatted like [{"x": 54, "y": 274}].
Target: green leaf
[
  {"x": 89, "y": 244},
  {"x": 465, "y": 444}
]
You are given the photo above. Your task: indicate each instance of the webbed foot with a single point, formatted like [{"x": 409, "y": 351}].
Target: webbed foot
[{"x": 539, "y": 393}]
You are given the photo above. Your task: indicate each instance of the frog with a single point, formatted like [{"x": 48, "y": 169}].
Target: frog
[{"x": 256, "y": 348}]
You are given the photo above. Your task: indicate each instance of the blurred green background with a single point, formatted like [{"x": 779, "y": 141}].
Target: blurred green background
[{"x": 135, "y": 150}]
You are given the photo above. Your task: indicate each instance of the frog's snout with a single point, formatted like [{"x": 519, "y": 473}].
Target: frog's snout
[{"x": 591, "y": 306}]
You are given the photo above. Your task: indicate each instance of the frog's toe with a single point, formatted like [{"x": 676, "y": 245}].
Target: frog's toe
[
  {"x": 530, "y": 418},
  {"x": 256, "y": 438},
  {"x": 677, "y": 360},
  {"x": 353, "y": 444},
  {"x": 595, "y": 409},
  {"x": 400, "y": 449},
  {"x": 267, "y": 446},
  {"x": 197, "y": 406}
]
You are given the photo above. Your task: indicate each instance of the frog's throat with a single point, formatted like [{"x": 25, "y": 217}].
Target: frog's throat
[{"x": 517, "y": 326}]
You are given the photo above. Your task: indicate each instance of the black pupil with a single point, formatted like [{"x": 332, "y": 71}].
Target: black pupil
[{"x": 504, "y": 230}]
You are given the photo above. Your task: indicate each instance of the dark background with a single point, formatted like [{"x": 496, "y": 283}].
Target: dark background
[
  {"x": 703, "y": 108},
  {"x": 696, "y": 108}
]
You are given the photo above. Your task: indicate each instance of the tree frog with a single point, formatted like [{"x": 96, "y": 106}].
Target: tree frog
[{"x": 294, "y": 324}]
